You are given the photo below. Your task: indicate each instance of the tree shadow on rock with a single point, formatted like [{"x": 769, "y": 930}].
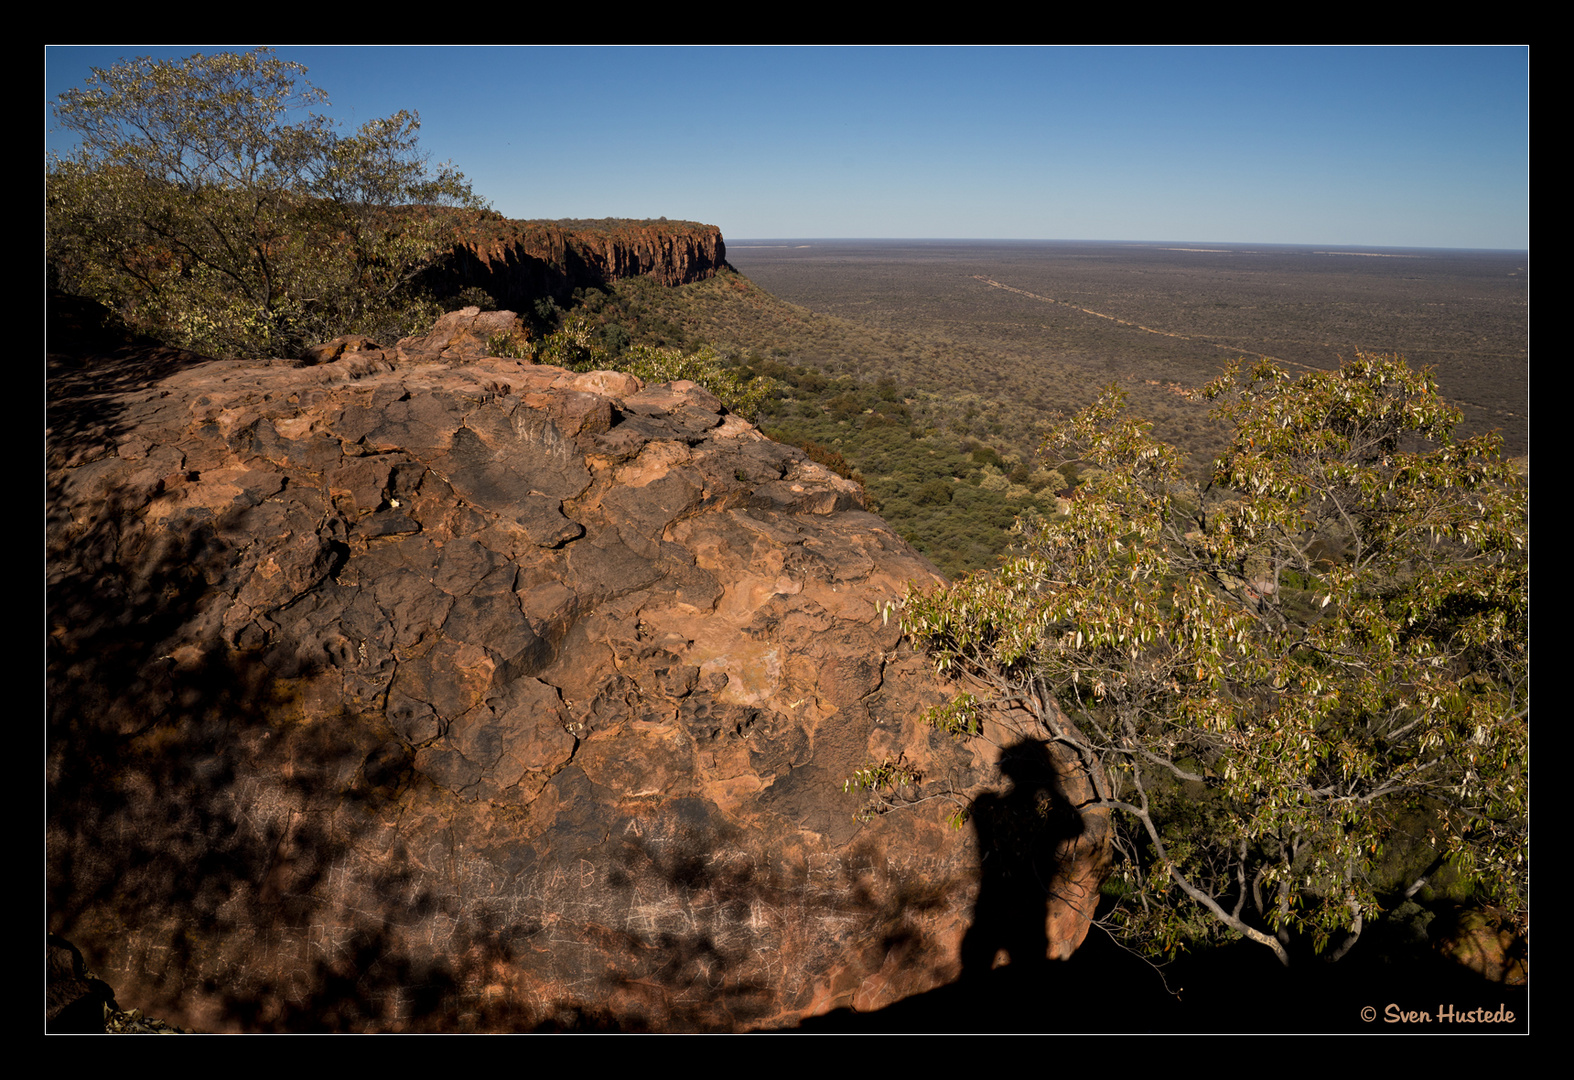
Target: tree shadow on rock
[
  {"x": 182, "y": 810},
  {"x": 194, "y": 814},
  {"x": 219, "y": 854},
  {"x": 91, "y": 359},
  {"x": 681, "y": 955},
  {"x": 705, "y": 928}
]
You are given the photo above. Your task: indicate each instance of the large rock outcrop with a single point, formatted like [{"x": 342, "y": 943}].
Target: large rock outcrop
[
  {"x": 517, "y": 262},
  {"x": 391, "y": 692}
]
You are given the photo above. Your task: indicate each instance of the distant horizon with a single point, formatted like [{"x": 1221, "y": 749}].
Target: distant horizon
[{"x": 775, "y": 241}]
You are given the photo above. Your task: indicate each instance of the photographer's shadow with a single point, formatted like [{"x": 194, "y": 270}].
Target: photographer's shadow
[{"x": 1025, "y": 834}]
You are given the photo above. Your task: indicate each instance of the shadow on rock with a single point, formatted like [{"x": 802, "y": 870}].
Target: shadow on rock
[{"x": 1023, "y": 834}]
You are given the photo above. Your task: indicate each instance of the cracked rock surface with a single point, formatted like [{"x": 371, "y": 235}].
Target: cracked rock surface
[{"x": 391, "y": 693}]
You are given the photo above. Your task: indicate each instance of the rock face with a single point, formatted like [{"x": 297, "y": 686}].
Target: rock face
[
  {"x": 519, "y": 261},
  {"x": 390, "y": 692}
]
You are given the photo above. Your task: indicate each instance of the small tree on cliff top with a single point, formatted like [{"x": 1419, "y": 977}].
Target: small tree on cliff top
[
  {"x": 212, "y": 207},
  {"x": 1272, "y": 678}
]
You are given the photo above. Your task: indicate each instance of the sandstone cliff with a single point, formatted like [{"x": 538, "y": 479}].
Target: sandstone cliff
[
  {"x": 419, "y": 689},
  {"x": 519, "y": 261}
]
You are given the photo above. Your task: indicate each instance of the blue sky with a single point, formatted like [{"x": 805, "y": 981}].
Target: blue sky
[{"x": 1399, "y": 147}]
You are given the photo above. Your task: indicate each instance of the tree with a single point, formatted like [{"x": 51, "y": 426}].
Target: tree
[
  {"x": 211, "y": 206},
  {"x": 1276, "y": 679}
]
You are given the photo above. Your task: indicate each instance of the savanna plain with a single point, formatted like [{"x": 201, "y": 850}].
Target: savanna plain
[{"x": 931, "y": 368}]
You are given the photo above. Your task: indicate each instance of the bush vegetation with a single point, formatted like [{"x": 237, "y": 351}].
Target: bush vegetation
[
  {"x": 1271, "y": 677},
  {"x": 211, "y": 207}
]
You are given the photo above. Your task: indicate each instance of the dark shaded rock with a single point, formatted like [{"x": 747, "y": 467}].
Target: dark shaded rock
[
  {"x": 74, "y": 1002},
  {"x": 518, "y": 261}
]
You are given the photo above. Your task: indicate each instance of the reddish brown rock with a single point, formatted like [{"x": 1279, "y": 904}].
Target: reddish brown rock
[
  {"x": 470, "y": 695},
  {"x": 519, "y": 261},
  {"x": 464, "y": 335}
]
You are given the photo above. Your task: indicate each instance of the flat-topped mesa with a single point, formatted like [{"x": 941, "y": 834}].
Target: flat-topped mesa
[{"x": 517, "y": 262}]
